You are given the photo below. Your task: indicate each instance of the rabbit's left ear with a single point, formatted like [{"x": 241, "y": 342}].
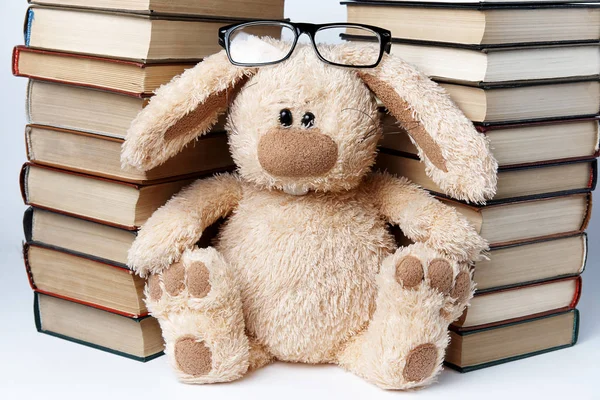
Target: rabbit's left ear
[
  {"x": 182, "y": 110},
  {"x": 456, "y": 156}
]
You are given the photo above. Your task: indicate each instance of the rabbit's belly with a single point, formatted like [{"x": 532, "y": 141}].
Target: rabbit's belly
[{"x": 306, "y": 269}]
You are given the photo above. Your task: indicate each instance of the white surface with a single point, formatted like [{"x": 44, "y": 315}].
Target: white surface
[{"x": 39, "y": 366}]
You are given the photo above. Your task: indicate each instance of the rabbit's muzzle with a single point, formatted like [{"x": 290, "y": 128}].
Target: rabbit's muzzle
[{"x": 297, "y": 153}]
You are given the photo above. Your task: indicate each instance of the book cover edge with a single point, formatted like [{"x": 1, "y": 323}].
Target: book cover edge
[
  {"x": 39, "y": 328},
  {"x": 527, "y": 355}
]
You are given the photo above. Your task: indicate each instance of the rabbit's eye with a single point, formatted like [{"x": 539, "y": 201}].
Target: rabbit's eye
[
  {"x": 285, "y": 117},
  {"x": 308, "y": 120}
]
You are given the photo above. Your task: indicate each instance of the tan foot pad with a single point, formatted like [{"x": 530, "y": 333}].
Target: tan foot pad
[
  {"x": 193, "y": 357},
  {"x": 440, "y": 275},
  {"x": 173, "y": 279},
  {"x": 409, "y": 272},
  {"x": 154, "y": 289},
  {"x": 197, "y": 280},
  {"x": 420, "y": 363},
  {"x": 462, "y": 287}
]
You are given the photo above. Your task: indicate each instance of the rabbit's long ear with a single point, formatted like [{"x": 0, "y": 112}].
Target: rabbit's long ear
[
  {"x": 182, "y": 110},
  {"x": 456, "y": 156}
]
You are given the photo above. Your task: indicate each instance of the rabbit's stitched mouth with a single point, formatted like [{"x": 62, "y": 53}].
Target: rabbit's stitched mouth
[{"x": 297, "y": 153}]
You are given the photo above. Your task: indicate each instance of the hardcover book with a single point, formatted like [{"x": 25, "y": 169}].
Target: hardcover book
[
  {"x": 82, "y": 109},
  {"x": 527, "y": 101},
  {"x": 137, "y": 37},
  {"x": 482, "y": 66},
  {"x": 112, "y": 202},
  {"x": 70, "y": 107},
  {"x": 96, "y": 241},
  {"x": 128, "y": 77},
  {"x": 100, "y": 155},
  {"x": 74, "y": 277},
  {"x": 543, "y": 142},
  {"x": 507, "y": 223},
  {"x": 518, "y": 182},
  {"x": 93, "y": 240},
  {"x": 136, "y": 338},
  {"x": 482, "y": 3},
  {"x": 517, "y": 303},
  {"x": 472, "y": 350},
  {"x": 531, "y": 262},
  {"x": 263, "y": 9},
  {"x": 481, "y": 24}
]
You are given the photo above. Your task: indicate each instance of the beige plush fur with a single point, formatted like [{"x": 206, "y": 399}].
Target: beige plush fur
[{"x": 305, "y": 269}]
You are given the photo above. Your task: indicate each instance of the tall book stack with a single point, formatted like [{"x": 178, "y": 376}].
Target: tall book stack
[
  {"x": 92, "y": 66},
  {"x": 527, "y": 76}
]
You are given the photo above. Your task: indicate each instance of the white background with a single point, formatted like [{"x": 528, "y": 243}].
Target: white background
[{"x": 35, "y": 365}]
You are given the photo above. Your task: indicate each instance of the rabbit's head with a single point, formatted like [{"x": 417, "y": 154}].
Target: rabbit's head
[{"x": 303, "y": 125}]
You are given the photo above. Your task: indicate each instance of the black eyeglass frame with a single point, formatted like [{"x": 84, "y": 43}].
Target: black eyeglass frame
[{"x": 384, "y": 36}]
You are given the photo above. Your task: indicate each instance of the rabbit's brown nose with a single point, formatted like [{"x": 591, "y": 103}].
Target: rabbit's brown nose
[{"x": 297, "y": 153}]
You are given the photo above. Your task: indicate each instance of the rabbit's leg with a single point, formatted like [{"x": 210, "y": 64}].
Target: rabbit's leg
[
  {"x": 199, "y": 310},
  {"x": 419, "y": 294}
]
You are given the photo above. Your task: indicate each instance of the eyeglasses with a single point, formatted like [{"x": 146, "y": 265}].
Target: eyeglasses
[{"x": 248, "y": 44}]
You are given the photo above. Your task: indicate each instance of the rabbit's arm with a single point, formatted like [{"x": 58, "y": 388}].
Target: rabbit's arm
[
  {"x": 424, "y": 219},
  {"x": 178, "y": 224}
]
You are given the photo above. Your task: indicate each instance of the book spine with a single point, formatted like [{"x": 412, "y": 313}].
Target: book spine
[
  {"x": 15, "y": 60},
  {"x": 588, "y": 213},
  {"x": 575, "y": 327},
  {"x": 593, "y": 174},
  {"x": 585, "y": 251},
  {"x": 36, "y": 312},
  {"x": 23, "y": 176},
  {"x": 28, "y": 146},
  {"x": 27, "y": 266},
  {"x": 577, "y": 294},
  {"x": 28, "y": 224},
  {"x": 28, "y": 24},
  {"x": 28, "y": 101}
]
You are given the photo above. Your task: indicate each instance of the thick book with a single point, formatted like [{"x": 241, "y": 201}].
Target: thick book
[
  {"x": 547, "y": 141},
  {"x": 89, "y": 239},
  {"x": 477, "y": 24},
  {"x": 100, "y": 155},
  {"x": 122, "y": 204},
  {"x": 472, "y": 350},
  {"x": 82, "y": 109},
  {"x": 262, "y": 9},
  {"x": 72, "y": 276},
  {"x": 514, "y": 183},
  {"x": 515, "y": 3},
  {"x": 129, "y": 77},
  {"x": 483, "y": 65},
  {"x": 102, "y": 112},
  {"x": 506, "y": 223},
  {"x": 517, "y": 303},
  {"x": 136, "y": 338},
  {"x": 527, "y": 101},
  {"x": 143, "y": 38},
  {"x": 531, "y": 262}
]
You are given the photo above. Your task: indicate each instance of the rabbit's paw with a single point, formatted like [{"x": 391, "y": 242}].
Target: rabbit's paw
[{"x": 200, "y": 313}]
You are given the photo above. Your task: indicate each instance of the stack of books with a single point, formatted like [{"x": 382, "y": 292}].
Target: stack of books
[
  {"x": 527, "y": 75},
  {"x": 93, "y": 65}
]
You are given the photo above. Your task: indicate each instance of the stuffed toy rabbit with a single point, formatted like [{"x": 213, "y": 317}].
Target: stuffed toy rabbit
[{"x": 305, "y": 269}]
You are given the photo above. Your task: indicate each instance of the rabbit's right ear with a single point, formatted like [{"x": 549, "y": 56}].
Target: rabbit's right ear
[{"x": 182, "y": 110}]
